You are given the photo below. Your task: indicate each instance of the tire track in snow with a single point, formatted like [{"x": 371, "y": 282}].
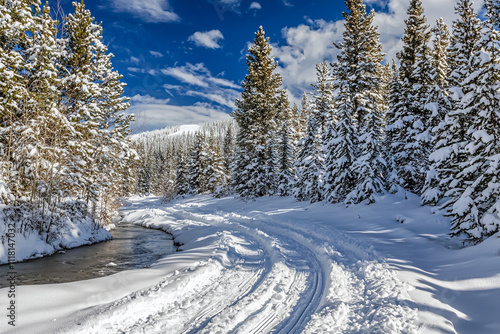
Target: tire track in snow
[
  {"x": 266, "y": 275},
  {"x": 310, "y": 294}
]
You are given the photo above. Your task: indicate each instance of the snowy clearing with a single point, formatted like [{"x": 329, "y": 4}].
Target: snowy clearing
[{"x": 277, "y": 265}]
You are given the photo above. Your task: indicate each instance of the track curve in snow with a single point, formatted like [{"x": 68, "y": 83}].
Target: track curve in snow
[{"x": 262, "y": 274}]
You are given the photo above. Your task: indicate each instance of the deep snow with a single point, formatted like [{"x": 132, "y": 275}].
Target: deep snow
[{"x": 278, "y": 265}]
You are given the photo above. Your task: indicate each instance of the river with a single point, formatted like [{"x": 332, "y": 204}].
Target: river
[{"x": 132, "y": 247}]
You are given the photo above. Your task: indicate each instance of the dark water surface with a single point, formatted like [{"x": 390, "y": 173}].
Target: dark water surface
[{"x": 132, "y": 247}]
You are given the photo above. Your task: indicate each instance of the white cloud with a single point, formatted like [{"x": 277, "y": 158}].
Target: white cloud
[
  {"x": 255, "y": 5},
  {"x": 391, "y": 24},
  {"x": 306, "y": 45},
  {"x": 212, "y": 88},
  {"x": 309, "y": 44},
  {"x": 156, "y": 54},
  {"x": 147, "y": 99},
  {"x": 208, "y": 39},
  {"x": 185, "y": 75},
  {"x": 150, "y": 11},
  {"x": 224, "y": 98},
  {"x": 198, "y": 75},
  {"x": 156, "y": 116},
  {"x": 134, "y": 60}
]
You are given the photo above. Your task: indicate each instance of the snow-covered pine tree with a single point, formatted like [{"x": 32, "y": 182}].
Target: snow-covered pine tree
[
  {"x": 393, "y": 131},
  {"x": 354, "y": 163},
  {"x": 255, "y": 116},
  {"x": 450, "y": 136},
  {"x": 411, "y": 149},
  {"x": 92, "y": 100},
  {"x": 438, "y": 104},
  {"x": 194, "y": 167},
  {"x": 181, "y": 182},
  {"x": 213, "y": 174},
  {"x": 286, "y": 148},
  {"x": 310, "y": 162},
  {"x": 476, "y": 213},
  {"x": 303, "y": 117}
]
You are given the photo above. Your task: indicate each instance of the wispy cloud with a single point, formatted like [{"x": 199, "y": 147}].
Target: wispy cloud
[
  {"x": 154, "y": 116},
  {"x": 211, "y": 88},
  {"x": 255, "y": 5},
  {"x": 198, "y": 75},
  {"x": 147, "y": 99},
  {"x": 154, "y": 11},
  {"x": 208, "y": 39},
  {"x": 186, "y": 74},
  {"x": 156, "y": 54}
]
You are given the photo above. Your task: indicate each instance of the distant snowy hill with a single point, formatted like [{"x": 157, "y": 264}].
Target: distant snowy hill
[{"x": 168, "y": 131}]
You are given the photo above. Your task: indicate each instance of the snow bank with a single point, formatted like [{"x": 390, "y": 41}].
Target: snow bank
[{"x": 24, "y": 244}]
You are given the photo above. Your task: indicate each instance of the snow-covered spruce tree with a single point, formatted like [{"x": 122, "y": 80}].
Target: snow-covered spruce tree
[
  {"x": 438, "y": 104},
  {"x": 92, "y": 97},
  {"x": 213, "y": 163},
  {"x": 285, "y": 148},
  {"x": 16, "y": 138},
  {"x": 393, "y": 131},
  {"x": 194, "y": 166},
  {"x": 255, "y": 116},
  {"x": 309, "y": 166},
  {"x": 354, "y": 164},
  {"x": 450, "y": 136},
  {"x": 476, "y": 213},
  {"x": 411, "y": 150},
  {"x": 181, "y": 182}
]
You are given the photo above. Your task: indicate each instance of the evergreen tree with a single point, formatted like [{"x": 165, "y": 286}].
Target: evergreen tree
[
  {"x": 309, "y": 167},
  {"x": 450, "y": 136},
  {"x": 194, "y": 167},
  {"x": 354, "y": 163},
  {"x": 286, "y": 149},
  {"x": 438, "y": 104},
  {"x": 413, "y": 142},
  {"x": 181, "y": 181},
  {"x": 255, "y": 115},
  {"x": 476, "y": 213},
  {"x": 393, "y": 131}
]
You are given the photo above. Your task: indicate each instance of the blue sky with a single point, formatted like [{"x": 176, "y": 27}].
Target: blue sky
[{"x": 183, "y": 61}]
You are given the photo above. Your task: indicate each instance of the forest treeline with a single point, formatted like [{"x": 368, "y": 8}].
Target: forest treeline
[
  {"x": 428, "y": 123},
  {"x": 64, "y": 151}
]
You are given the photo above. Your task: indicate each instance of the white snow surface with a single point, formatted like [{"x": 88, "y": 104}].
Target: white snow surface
[
  {"x": 276, "y": 265},
  {"x": 184, "y": 129}
]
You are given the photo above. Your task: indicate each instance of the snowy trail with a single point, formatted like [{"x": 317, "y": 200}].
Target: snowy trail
[
  {"x": 276, "y": 265},
  {"x": 263, "y": 275}
]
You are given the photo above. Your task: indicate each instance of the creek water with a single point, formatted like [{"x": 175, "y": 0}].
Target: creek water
[{"x": 132, "y": 247}]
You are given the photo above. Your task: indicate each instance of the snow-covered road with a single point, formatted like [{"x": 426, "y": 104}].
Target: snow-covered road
[
  {"x": 273, "y": 265},
  {"x": 262, "y": 275}
]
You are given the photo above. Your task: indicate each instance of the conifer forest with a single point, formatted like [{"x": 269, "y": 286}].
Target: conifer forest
[{"x": 426, "y": 122}]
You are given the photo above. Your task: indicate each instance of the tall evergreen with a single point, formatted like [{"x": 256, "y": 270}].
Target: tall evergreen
[
  {"x": 354, "y": 164},
  {"x": 439, "y": 104},
  {"x": 256, "y": 118},
  {"x": 285, "y": 149},
  {"x": 476, "y": 213},
  {"x": 450, "y": 136},
  {"x": 393, "y": 130},
  {"x": 412, "y": 143},
  {"x": 310, "y": 162}
]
